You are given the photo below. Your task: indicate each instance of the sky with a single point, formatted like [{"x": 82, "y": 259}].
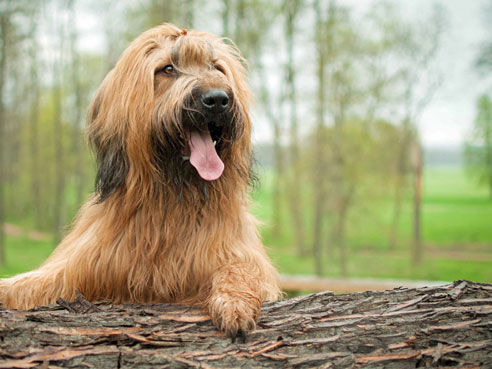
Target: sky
[{"x": 448, "y": 119}]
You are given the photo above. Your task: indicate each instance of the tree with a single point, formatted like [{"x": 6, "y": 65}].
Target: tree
[
  {"x": 483, "y": 61},
  {"x": 322, "y": 35},
  {"x": 78, "y": 172},
  {"x": 291, "y": 10},
  {"x": 352, "y": 65},
  {"x": 34, "y": 123},
  {"x": 417, "y": 46},
  {"x": 59, "y": 188},
  {"x": 344, "y": 94},
  {"x": 442, "y": 326},
  {"x": 263, "y": 16},
  {"x": 5, "y": 29},
  {"x": 478, "y": 151}
]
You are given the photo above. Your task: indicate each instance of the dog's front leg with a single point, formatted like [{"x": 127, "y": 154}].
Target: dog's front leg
[{"x": 235, "y": 299}]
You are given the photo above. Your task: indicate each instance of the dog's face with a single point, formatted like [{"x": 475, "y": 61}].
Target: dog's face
[{"x": 174, "y": 110}]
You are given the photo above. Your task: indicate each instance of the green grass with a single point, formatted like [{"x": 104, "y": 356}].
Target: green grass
[
  {"x": 24, "y": 254},
  {"x": 456, "y": 209},
  {"x": 388, "y": 266},
  {"x": 457, "y": 215}
]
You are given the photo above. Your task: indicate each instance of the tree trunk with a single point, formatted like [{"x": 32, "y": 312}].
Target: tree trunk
[
  {"x": 445, "y": 326},
  {"x": 59, "y": 187},
  {"x": 275, "y": 120},
  {"x": 340, "y": 237},
  {"x": 397, "y": 203},
  {"x": 400, "y": 181},
  {"x": 341, "y": 193},
  {"x": 294, "y": 192},
  {"x": 417, "y": 203},
  {"x": 317, "y": 249},
  {"x": 34, "y": 128},
  {"x": 319, "y": 169},
  {"x": 77, "y": 136},
  {"x": 4, "y": 26},
  {"x": 277, "y": 181}
]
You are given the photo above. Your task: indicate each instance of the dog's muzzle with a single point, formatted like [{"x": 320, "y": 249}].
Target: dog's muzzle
[{"x": 207, "y": 132}]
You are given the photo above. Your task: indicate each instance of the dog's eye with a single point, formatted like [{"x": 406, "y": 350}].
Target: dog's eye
[
  {"x": 167, "y": 69},
  {"x": 219, "y": 68}
]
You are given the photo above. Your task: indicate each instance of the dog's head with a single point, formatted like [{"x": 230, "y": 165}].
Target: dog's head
[{"x": 173, "y": 111}]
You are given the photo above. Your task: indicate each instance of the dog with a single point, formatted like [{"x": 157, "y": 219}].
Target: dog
[{"x": 169, "y": 219}]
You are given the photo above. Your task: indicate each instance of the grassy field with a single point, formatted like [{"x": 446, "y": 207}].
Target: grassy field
[
  {"x": 456, "y": 226},
  {"x": 457, "y": 231}
]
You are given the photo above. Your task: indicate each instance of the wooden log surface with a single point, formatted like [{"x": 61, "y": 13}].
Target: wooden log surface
[{"x": 444, "y": 326}]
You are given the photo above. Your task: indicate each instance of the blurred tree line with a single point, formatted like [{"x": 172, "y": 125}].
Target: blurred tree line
[
  {"x": 342, "y": 93},
  {"x": 478, "y": 148}
]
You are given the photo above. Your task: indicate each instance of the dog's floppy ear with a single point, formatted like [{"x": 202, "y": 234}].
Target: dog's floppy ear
[
  {"x": 117, "y": 120},
  {"x": 112, "y": 163}
]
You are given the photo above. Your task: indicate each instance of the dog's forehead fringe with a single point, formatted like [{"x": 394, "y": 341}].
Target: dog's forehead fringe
[{"x": 192, "y": 48}]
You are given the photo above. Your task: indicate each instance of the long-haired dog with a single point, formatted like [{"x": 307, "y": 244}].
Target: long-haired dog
[{"x": 169, "y": 220}]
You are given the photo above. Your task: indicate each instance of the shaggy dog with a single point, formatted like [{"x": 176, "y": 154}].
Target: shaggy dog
[{"x": 169, "y": 219}]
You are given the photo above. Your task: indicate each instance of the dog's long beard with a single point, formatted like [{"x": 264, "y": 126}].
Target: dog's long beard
[{"x": 192, "y": 154}]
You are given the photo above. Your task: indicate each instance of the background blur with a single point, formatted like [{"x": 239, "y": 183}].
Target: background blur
[{"x": 373, "y": 127}]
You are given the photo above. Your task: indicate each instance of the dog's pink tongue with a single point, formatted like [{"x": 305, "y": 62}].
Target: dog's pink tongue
[{"x": 204, "y": 157}]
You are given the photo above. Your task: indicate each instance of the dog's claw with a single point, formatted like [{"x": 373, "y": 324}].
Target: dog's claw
[{"x": 240, "y": 333}]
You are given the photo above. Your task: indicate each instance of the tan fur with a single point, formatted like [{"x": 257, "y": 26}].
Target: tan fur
[{"x": 146, "y": 243}]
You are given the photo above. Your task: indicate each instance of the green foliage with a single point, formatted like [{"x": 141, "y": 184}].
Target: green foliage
[
  {"x": 20, "y": 191},
  {"x": 367, "y": 151}
]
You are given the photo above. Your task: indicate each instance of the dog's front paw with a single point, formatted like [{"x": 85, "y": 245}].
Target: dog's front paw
[{"x": 235, "y": 315}]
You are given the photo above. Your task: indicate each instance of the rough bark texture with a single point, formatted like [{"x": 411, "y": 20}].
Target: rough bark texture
[{"x": 446, "y": 326}]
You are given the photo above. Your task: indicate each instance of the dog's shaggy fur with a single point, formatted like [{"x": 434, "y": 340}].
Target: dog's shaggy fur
[{"x": 155, "y": 231}]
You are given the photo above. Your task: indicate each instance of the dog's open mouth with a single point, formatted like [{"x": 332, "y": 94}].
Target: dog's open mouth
[{"x": 203, "y": 152}]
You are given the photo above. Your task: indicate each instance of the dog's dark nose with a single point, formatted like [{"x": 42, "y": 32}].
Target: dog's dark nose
[{"x": 215, "y": 100}]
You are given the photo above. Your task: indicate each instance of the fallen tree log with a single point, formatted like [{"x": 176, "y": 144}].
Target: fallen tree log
[{"x": 443, "y": 326}]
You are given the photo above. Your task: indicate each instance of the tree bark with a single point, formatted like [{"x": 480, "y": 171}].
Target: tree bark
[{"x": 444, "y": 326}]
